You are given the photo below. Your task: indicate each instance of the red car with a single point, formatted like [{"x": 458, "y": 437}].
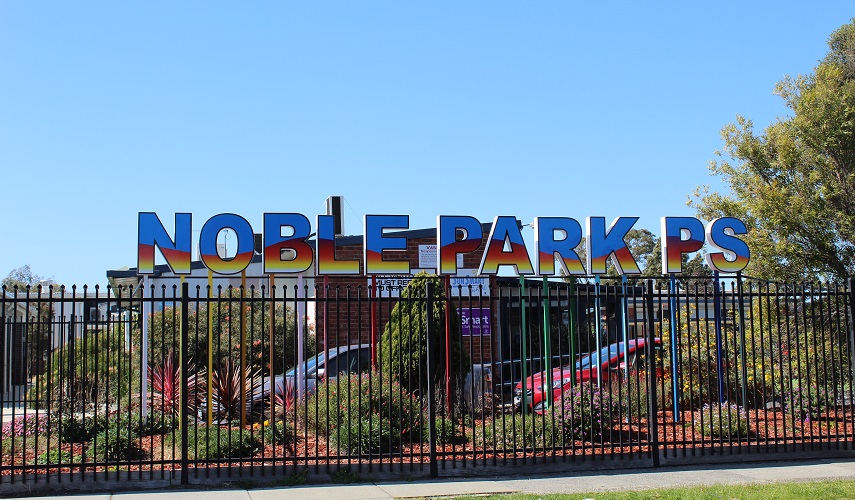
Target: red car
[{"x": 611, "y": 359}]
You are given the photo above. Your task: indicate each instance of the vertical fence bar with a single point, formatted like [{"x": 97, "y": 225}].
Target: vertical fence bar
[
  {"x": 675, "y": 372},
  {"x": 434, "y": 470},
  {"x": 598, "y": 331},
  {"x": 523, "y": 353},
  {"x": 850, "y": 284},
  {"x": 547, "y": 350},
  {"x": 719, "y": 355},
  {"x": 653, "y": 421},
  {"x": 185, "y": 442}
]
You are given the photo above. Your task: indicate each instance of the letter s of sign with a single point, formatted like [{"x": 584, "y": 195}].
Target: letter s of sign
[{"x": 721, "y": 235}]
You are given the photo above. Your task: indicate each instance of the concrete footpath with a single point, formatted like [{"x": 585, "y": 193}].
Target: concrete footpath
[{"x": 576, "y": 482}]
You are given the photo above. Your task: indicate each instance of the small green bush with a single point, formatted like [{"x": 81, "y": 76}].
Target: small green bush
[
  {"x": 56, "y": 457},
  {"x": 114, "y": 444},
  {"x": 218, "y": 443},
  {"x": 154, "y": 424},
  {"x": 279, "y": 432},
  {"x": 365, "y": 414},
  {"x": 363, "y": 434},
  {"x": 519, "y": 432},
  {"x": 79, "y": 429},
  {"x": 722, "y": 421},
  {"x": 807, "y": 402},
  {"x": 448, "y": 432}
]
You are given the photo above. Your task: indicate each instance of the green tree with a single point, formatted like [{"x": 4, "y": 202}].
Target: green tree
[
  {"x": 403, "y": 345},
  {"x": 22, "y": 277},
  {"x": 646, "y": 248},
  {"x": 794, "y": 184}
]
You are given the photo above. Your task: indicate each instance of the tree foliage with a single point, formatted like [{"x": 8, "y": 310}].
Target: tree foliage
[
  {"x": 646, "y": 248},
  {"x": 22, "y": 277},
  {"x": 794, "y": 184},
  {"x": 403, "y": 345}
]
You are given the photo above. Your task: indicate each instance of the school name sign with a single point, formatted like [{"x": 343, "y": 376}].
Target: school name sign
[{"x": 287, "y": 248}]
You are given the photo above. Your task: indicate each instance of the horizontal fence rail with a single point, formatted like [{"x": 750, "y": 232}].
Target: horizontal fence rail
[{"x": 192, "y": 382}]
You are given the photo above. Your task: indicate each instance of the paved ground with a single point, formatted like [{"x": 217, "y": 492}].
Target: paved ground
[{"x": 813, "y": 470}]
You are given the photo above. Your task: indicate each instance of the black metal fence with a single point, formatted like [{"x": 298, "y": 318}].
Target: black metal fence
[{"x": 189, "y": 382}]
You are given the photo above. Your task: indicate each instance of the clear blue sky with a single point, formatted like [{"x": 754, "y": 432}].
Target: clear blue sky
[{"x": 423, "y": 108}]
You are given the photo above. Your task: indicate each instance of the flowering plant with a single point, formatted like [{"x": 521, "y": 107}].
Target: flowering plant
[
  {"x": 587, "y": 412},
  {"x": 26, "y": 425},
  {"x": 723, "y": 420}
]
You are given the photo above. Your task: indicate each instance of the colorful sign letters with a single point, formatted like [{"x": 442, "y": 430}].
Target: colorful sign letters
[{"x": 287, "y": 248}]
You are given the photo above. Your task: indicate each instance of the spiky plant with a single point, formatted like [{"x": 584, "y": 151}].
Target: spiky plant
[
  {"x": 226, "y": 383},
  {"x": 165, "y": 379}
]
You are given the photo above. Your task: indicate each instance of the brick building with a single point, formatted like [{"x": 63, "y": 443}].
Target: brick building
[{"x": 346, "y": 315}]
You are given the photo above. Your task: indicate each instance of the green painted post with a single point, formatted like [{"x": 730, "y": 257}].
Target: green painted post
[{"x": 547, "y": 348}]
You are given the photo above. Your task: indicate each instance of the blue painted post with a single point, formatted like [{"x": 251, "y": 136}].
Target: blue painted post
[
  {"x": 719, "y": 355},
  {"x": 675, "y": 381},
  {"x": 547, "y": 348},
  {"x": 597, "y": 327}
]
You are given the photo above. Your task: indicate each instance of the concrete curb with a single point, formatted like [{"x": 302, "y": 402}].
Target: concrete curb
[{"x": 554, "y": 483}]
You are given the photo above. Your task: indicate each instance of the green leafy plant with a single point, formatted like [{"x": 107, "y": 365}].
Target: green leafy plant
[
  {"x": 56, "y": 457},
  {"x": 807, "y": 402},
  {"x": 79, "y": 428},
  {"x": 216, "y": 443},
  {"x": 116, "y": 443},
  {"x": 723, "y": 421},
  {"x": 403, "y": 345},
  {"x": 278, "y": 432},
  {"x": 365, "y": 413},
  {"x": 448, "y": 431},
  {"x": 519, "y": 432}
]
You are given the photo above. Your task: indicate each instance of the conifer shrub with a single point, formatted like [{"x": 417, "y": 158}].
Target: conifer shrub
[{"x": 403, "y": 345}]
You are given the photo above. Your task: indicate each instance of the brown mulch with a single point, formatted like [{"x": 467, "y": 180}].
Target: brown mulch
[{"x": 770, "y": 429}]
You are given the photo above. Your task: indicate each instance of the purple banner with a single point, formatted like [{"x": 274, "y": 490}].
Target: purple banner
[{"x": 474, "y": 320}]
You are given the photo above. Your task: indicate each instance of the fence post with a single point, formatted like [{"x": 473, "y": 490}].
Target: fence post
[
  {"x": 185, "y": 305},
  {"x": 743, "y": 372},
  {"x": 653, "y": 407},
  {"x": 434, "y": 470},
  {"x": 850, "y": 283}
]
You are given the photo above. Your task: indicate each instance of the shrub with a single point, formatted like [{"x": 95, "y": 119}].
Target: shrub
[
  {"x": 96, "y": 367},
  {"x": 56, "y": 457},
  {"x": 218, "y": 443},
  {"x": 519, "y": 432},
  {"x": 116, "y": 443},
  {"x": 807, "y": 403},
  {"x": 587, "y": 413},
  {"x": 403, "y": 344},
  {"x": 278, "y": 432},
  {"x": 364, "y": 414},
  {"x": 363, "y": 434},
  {"x": 78, "y": 429},
  {"x": 448, "y": 432},
  {"x": 723, "y": 421},
  {"x": 154, "y": 424}
]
